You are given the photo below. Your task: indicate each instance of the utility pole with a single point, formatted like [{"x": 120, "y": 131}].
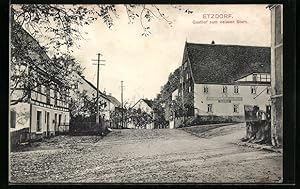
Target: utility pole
[
  {"x": 98, "y": 66},
  {"x": 122, "y": 104}
]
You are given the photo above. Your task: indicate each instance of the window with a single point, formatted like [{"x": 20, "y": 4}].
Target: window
[
  {"x": 235, "y": 108},
  {"x": 268, "y": 90},
  {"x": 205, "y": 89},
  {"x": 224, "y": 89},
  {"x": 38, "y": 120},
  {"x": 13, "y": 119},
  {"x": 253, "y": 90},
  {"x": 263, "y": 77},
  {"x": 236, "y": 89},
  {"x": 254, "y": 77},
  {"x": 209, "y": 107},
  {"x": 269, "y": 77}
]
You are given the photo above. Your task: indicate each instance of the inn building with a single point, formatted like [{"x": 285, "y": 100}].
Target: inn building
[{"x": 222, "y": 79}]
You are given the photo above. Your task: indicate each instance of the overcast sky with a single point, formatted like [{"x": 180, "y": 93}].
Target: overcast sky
[{"x": 144, "y": 63}]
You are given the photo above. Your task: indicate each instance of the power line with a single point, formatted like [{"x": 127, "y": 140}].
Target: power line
[{"x": 98, "y": 66}]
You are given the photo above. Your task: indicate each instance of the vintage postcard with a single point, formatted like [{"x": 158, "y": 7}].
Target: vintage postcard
[{"x": 147, "y": 93}]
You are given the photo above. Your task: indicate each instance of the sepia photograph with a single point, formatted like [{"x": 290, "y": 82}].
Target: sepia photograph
[{"x": 146, "y": 93}]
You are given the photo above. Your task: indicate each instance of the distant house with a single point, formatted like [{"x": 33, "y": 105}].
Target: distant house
[
  {"x": 107, "y": 102},
  {"x": 143, "y": 105},
  {"x": 223, "y": 78},
  {"x": 38, "y": 109}
]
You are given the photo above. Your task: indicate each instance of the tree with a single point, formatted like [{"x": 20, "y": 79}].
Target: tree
[
  {"x": 159, "y": 113},
  {"x": 60, "y": 24},
  {"x": 84, "y": 105},
  {"x": 59, "y": 27},
  {"x": 139, "y": 118},
  {"x": 182, "y": 106}
]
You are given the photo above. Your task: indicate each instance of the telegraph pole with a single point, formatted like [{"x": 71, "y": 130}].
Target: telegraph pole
[
  {"x": 98, "y": 66},
  {"x": 122, "y": 87}
]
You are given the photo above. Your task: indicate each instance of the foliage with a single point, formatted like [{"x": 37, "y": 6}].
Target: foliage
[
  {"x": 31, "y": 67},
  {"x": 159, "y": 113},
  {"x": 138, "y": 118},
  {"x": 181, "y": 107},
  {"x": 60, "y": 24},
  {"x": 84, "y": 105}
]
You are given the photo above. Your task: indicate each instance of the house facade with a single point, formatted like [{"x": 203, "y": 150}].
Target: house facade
[
  {"x": 37, "y": 108},
  {"x": 143, "y": 105},
  {"x": 107, "y": 102},
  {"x": 219, "y": 80},
  {"x": 277, "y": 73}
]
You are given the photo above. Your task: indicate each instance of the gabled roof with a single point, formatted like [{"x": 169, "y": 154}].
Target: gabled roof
[
  {"x": 148, "y": 102},
  {"x": 114, "y": 101},
  {"x": 95, "y": 88},
  {"x": 224, "y": 64},
  {"x": 39, "y": 59}
]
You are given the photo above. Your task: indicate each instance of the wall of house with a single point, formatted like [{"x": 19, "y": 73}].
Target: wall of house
[
  {"x": 22, "y": 116},
  {"x": 53, "y": 123},
  {"x": 277, "y": 74},
  {"x": 223, "y": 103},
  {"x": 92, "y": 92}
]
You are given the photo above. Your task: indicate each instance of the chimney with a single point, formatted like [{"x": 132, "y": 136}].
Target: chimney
[{"x": 212, "y": 42}]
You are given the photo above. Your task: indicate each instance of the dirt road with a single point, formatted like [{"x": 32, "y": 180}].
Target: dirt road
[{"x": 162, "y": 155}]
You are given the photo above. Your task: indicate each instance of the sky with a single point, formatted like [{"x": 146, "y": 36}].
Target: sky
[{"x": 144, "y": 63}]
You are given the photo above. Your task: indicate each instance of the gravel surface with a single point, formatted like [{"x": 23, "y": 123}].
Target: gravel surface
[{"x": 137, "y": 156}]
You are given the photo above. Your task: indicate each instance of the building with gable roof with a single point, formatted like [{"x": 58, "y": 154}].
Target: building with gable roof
[
  {"x": 107, "y": 103},
  {"x": 38, "y": 109},
  {"x": 144, "y": 105},
  {"x": 222, "y": 79}
]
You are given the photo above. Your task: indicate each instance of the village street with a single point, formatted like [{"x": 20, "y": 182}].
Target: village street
[{"x": 159, "y": 155}]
